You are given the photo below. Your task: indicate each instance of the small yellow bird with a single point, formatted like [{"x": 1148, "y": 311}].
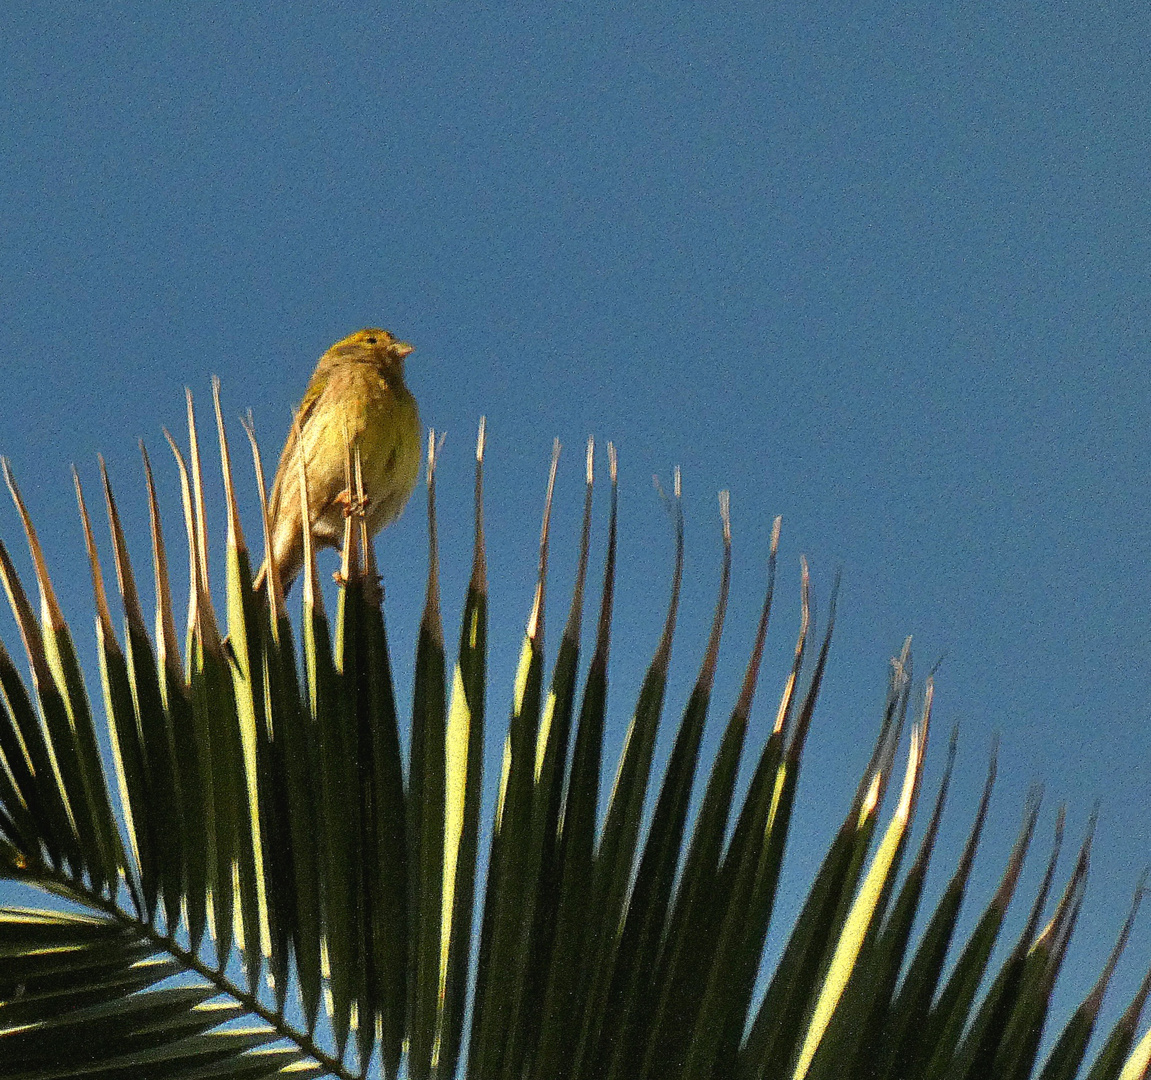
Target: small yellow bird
[{"x": 357, "y": 388}]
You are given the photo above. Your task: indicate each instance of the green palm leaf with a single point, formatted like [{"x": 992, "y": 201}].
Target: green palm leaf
[{"x": 269, "y": 886}]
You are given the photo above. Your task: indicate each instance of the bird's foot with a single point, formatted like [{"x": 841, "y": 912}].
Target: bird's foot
[{"x": 352, "y": 506}]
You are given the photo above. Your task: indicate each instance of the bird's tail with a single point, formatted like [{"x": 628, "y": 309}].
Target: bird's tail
[{"x": 260, "y": 584}]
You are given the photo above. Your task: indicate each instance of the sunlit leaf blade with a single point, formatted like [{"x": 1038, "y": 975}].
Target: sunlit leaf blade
[
  {"x": 209, "y": 891},
  {"x": 868, "y": 905},
  {"x": 64, "y": 703},
  {"x": 29, "y": 820},
  {"x": 775, "y": 1037},
  {"x": 1069, "y": 1051},
  {"x": 899, "y": 1042},
  {"x": 162, "y": 706},
  {"x": 338, "y": 822},
  {"x": 45, "y": 950},
  {"x": 296, "y": 766},
  {"x": 335, "y": 836},
  {"x": 214, "y": 715},
  {"x": 850, "y": 1046},
  {"x": 939, "y": 1033},
  {"x": 275, "y": 853},
  {"x": 874, "y": 783},
  {"x": 853, "y": 1038},
  {"x": 1020, "y": 1043},
  {"x": 614, "y": 859},
  {"x": 232, "y": 1054},
  {"x": 382, "y": 880},
  {"x": 509, "y": 898},
  {"x": 208, "y": 677},
  {"x": 30, "y": 771},
  {"x": 1138, "y": 1064},
  {"x": 126, "y": 1025},
  {"x": 218, "y": 725},
  {"x": 16, "y": 822},
  {"x": 1118, "y": 1042},
  {"x": 568, "y": 962},
  {"x": 984, "y": 1033},
  {"x": 385, "y": 843},
  {"x": 425, "y": 804},
  {"x": 165, "y": 821},
  {"x": 104, "y": 839},
  {"x": 354, "y": 785},
  {"x": 127, "y": 740},
  {"x": 47, "y": 735},
  {"x": 751, "y": 866},
  {"x": 1112, "y": 1058},
  {"x": 84, "y": 1006},
  {"x": 261, "y": 1062},
  {"x": 92, "y": 988},
  {"x": 254, "y": 781},
  {"x": 630, "y": 1012},
  {"x": 196, "y": 844},
  {"x": 501, "y": 940},
  {"x": 541, "y": 871},
  {"x": 288, "y": 770},
  {"x": 463, "y": 771},
  {"x": 688, "y": 947}
]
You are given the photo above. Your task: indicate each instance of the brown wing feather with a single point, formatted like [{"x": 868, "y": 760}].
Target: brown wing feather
[{"x": 312, "y": 396}]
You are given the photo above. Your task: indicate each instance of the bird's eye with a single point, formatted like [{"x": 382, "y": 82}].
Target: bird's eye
[{"x": 371, "y": 341}]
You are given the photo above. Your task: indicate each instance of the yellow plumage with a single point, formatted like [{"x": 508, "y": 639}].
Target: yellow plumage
[{"x": 357, "y": 387}]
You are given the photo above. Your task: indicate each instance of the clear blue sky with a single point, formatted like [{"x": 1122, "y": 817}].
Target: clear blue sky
[{"x": 881, "y": 269}]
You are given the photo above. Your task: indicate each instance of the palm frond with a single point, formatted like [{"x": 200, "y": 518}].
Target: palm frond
[{"x": 268, "y": 886}]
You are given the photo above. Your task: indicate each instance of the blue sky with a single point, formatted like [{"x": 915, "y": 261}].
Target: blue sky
[{"x": 881, "y": 269}]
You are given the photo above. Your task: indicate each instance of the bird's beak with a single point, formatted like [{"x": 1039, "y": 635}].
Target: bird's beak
[{"x": 402, "y": 349}]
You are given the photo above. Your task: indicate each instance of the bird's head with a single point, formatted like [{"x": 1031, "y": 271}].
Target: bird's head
[{"x": 373, "y": 344}]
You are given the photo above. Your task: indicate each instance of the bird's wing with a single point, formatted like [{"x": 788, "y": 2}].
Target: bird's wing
[{"x": 312, "y": 397}]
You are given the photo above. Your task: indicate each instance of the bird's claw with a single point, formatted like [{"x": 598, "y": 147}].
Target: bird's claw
[{"x": 352, "y": 506}]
